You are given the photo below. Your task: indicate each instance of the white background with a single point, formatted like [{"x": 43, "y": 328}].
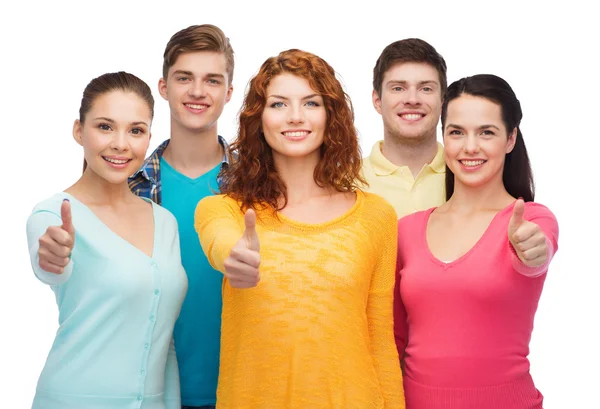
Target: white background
[{"x": 51, "y": 50}]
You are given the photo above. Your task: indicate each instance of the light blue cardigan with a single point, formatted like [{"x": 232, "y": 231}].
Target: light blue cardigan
[{"x": 117, "y": 309}]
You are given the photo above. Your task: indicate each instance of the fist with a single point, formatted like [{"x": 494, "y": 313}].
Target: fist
[
  {"x": 241, "y": 267},
  {"x": 528, "y": 240},
  {"x": 57, "y": 243}
]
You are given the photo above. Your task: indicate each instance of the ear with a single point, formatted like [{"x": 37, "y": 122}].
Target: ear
[
  {"x": 162, "y": 89},
  {"x": 229, "y": 92},
  {"x": 78, "y": 132},
  {"x": 376, "y": 101},
  {"x": 512, "y": 140}
]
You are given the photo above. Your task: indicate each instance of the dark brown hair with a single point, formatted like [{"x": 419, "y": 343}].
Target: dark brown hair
[{"x": 408, "y": 50}]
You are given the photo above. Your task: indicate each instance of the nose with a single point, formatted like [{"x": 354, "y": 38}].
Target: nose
[
  {"x": 471, "y": 144},
  {"x": 119, "y": 141},
  {"x": 197, "y": 89},
  {"x": 296, "y": 115},
  {"x": 412, "y": 96}
]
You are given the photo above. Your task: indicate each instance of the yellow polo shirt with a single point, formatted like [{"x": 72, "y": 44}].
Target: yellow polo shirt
[{"x": 397, "y": 185}]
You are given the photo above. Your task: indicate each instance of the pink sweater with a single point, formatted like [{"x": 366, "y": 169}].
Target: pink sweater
[{"x": 464, "y": 327}]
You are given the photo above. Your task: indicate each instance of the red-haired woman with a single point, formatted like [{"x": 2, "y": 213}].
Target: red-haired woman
[{"x": 308, "y": 258}]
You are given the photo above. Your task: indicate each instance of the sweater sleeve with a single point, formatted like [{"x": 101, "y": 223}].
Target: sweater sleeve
[
  {"x": 380, "y": 317},
  {"x": 543, "y": 217},
  {"x": 172, "y": 392},
  {"x": 217, "y": 222},
  {"x": 37, "y": 224}
]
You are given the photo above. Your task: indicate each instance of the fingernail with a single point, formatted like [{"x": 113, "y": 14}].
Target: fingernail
[
  {"x": 520, "y": 198},
  {"x": 66, "y": 200}
]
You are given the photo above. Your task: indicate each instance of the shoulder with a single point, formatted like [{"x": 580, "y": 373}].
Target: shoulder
[
  {"x": 160, "y": 212},
  {"x": 533, "y": 209},
  {"x": 48, "y": 213},
  {"x": 164, "y": 222},
  {"x": 534, "y": 212},
  {"x": 367, "y": 161},
  {"x": 542, "y": 216},
  {"x": 51, "y": 204},
  {"x": 216, "y": 205},
  {"x": 219, "y": 200},
  {"x": 376, "y": 206},
  {"x": 414, "y": 219},
  {"x": 365, "y": 165}
]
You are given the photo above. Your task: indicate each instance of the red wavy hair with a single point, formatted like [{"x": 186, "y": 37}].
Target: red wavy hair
[{"x": 252, "y": 179}]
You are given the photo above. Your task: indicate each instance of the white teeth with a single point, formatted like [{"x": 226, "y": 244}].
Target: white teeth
[
  {"x": 412, "y": 117},
  {"x": 195, "y": 106},
  {"x": 117, "y": 161},
  {"x": 295, "y": 134},
  {"x": 472, "y": 162}
]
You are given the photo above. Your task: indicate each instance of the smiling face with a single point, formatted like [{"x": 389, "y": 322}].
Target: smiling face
[
  {"x": 294, "y": 118},
  {"x": 115, "y": 135},
  {"x": 476, "y": 141},
  {"x": 197, "y": 89},
  {"x": 410, "y": 102}
]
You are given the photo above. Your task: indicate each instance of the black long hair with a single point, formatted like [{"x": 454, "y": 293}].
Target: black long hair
[{"x": 517, "y": 175}]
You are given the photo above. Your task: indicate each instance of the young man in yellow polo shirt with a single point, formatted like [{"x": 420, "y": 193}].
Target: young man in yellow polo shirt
[{"x": 407, "y": 168}]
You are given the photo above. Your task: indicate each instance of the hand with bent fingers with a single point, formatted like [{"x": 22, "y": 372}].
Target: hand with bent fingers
[
  {"x": 527, "y": 238},
  {"x": 241, "y": 267},
  {"x": 57, "y": 243}
]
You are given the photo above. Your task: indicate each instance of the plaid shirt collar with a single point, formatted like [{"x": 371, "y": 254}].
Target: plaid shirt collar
[
  {"x": 151, "y": 167},
  {"x": 146, "y": 181}
]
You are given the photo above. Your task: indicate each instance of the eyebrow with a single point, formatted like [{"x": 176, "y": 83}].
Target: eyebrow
[
  {"x": 191, "y": 74},
  {"x": 428, "y": 82},
  {"x": 103, "y": 118},
  {"x": 181, "y": 72},
  {"x": 112, "y": 121},
  {"x": 487, "y": 126},
  {"x": 286, "y": 98},
  {"x": 212, "y": 75}
]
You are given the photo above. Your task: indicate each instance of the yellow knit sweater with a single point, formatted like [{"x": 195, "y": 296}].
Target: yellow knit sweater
[{"x": 317, "y": 331}]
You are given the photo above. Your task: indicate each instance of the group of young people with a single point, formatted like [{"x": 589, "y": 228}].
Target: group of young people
[{"x": 286, "y": 270}]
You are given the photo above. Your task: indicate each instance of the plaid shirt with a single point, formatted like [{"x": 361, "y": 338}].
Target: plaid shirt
[{"x": 146, "y": 181}]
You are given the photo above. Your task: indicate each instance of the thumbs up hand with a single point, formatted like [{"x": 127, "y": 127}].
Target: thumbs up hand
[
  {"x": 241, "y": 267},
  {"x": 528, "y": 240},
  {"x": 57, "y": 243}
]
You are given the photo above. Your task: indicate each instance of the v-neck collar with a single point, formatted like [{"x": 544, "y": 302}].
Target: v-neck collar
[
  {"x": 112, "y": 232},
  {"x": 471, "y": 250}
]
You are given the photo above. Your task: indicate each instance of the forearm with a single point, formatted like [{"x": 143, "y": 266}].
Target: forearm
[
  {"x": 217, "y": 245},
  {"x": 37, "y": 224},
  {"x": 219, "y": 226}
]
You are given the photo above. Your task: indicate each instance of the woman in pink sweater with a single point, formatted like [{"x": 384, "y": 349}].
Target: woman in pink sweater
[{"x": 471, "y": 272}]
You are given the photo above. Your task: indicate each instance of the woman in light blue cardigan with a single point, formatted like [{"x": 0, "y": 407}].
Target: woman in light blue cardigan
[{"x": 113, "y": 262}]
